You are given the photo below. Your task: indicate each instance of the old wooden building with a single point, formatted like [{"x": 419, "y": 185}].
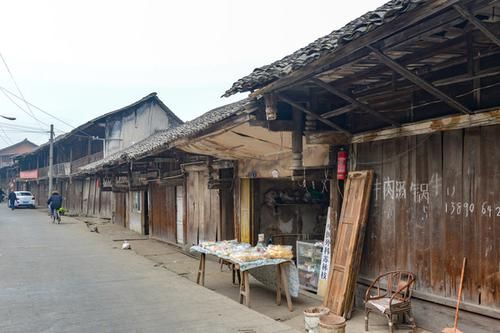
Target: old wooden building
[
  {"x": 411, "y": 91},
  {"x": 170, "y": 194},
  {"x": 100, "y": 137},
  {"x": 8, "y": 169}
]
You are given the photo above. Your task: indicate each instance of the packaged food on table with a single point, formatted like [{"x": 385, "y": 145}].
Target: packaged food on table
[
  {"x": 279, "y": 252},
  {"x": 224, "y": 248},
  {"x": 247, "y": 255}
]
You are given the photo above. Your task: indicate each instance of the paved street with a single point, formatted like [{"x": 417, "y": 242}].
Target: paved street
[{"x": 63, "y": 278}]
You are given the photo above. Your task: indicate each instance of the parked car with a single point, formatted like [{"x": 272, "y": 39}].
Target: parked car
[{"x": 24, "y": 199}]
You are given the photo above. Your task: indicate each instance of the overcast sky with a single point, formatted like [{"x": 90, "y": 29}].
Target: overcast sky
[{"x": 80, "y": 59}]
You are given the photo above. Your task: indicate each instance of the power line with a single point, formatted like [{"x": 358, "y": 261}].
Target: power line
[
  {"x": 7, "y": 125},
  {"x": 5, "y": 140},
  {"x": 25, "y": 131},
  {"x": 6, "y": 137},
  {"x": 19, "y": 106},
  {"x": 5, "y": 90},
  {"x": 15, "y": 83}
]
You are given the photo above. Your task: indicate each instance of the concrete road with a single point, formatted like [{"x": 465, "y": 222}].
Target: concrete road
[{"x": 63, "y": 278}]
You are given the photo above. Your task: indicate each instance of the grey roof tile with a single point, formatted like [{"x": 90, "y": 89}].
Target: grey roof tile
[
  {"x": 265, "y": 75},
  {"x": 162, "y": 140}
]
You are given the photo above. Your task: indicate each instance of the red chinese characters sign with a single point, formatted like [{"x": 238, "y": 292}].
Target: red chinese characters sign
[{"x": 29, "y": 174}]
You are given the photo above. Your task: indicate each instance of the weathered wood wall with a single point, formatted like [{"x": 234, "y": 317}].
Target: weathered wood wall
[
  {"x": 436, "y": 199},
  {"x": 84, "y": 197},
  {"x": 204, "y": 218}
]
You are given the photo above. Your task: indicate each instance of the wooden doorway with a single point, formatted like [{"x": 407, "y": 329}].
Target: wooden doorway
[
  {"x": 163, "y": 212},
  {"x": 121, "y": 209}
]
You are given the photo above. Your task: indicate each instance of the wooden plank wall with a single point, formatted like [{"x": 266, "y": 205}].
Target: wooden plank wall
[
  {"x": 204, "y": 218},
  {"x": 83, "y": 197},
  {"x": 435, "y": 199},
  {"x": 226, "y": 230}
]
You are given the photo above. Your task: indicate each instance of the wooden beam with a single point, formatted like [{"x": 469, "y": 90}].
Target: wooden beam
[
  {"x": 412, "y": 58},
  {"x": 430, "y": 126},
  {"x": 418, "y": 81},
  {"x": 331, "y": 138},
  {"x": 478, "y": 24},
  {"x": 382, "y": 87},
  {"x": 274, "y": 125},
  {"x": 357, "y": 46},
  {"x": 472, "y": 68},
  {"x": 354, "y": 101},
  {"x": 338, "y": 111},
  {"x": 312, "y": 114},
  {"x": 467, "y": 77}
]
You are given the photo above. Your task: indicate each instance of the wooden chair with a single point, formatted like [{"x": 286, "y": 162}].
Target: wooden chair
[{"x": 390, "y": 295}]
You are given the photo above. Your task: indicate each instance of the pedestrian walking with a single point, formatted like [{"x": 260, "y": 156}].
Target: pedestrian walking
[{"x": 12, "y": 200}]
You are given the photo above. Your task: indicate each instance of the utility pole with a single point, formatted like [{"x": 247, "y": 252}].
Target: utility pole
[{"x": 51, "y": 157}]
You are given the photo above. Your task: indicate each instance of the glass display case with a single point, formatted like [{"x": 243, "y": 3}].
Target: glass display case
[{"x": 309, "y": 263}]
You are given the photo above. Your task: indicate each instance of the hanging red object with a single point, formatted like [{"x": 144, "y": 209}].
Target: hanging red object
[{"x": 341, "y": 165}]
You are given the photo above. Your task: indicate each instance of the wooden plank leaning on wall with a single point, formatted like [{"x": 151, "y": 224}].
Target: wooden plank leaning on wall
[{"x": 349, "y": 242}]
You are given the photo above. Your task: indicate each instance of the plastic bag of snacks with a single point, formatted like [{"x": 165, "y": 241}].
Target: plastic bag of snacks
[
  {"x": 247, "y": 255},
  {"x": 279, "y": 252}
]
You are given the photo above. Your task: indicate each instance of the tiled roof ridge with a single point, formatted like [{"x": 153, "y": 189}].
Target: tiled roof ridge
[
  {"x": 162, "y": 139},
  {"x": 367, "y": 22}
]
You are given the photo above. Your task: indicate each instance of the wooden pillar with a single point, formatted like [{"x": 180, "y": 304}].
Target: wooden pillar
[
  {"x": 297, "y": 147},
  {"x": 245, "y": 210},
  {"x": 336, "y": 193},
  {"x": 70, "y": 163},
  {"x": 472, "y": 69},
  {"x": 271, "y": 106},
  {"x": 236, "y": 203},
  {"x": 89, "y": 146}
]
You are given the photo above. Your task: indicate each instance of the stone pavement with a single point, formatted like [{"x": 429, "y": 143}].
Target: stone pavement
[
  {"x": 62, "y": 278},
  {"x": 171, "y": 258}
]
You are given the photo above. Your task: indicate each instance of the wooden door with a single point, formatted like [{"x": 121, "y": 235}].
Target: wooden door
[
  {"x": 162, "y": 214},
  {"x": 121, "y": 209},
  {"x": 211, "y": 221},
  {"x": 349, "y": 242}
]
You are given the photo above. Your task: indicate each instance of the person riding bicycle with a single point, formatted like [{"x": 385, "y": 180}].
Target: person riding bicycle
[{"x": 55, "y": 202}]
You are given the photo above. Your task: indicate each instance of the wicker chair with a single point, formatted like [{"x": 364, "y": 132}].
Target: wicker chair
[{"x": 390, "y": 295}]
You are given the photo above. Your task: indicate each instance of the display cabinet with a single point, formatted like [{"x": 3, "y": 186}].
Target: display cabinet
[{"x": 309, "y": 263}]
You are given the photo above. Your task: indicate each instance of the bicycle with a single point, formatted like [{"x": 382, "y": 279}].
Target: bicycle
[{"x": 56, "y": 216}]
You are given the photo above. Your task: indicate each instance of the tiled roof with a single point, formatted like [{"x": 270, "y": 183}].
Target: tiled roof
[
  {"x": 163, "y": 139},
  {"x": 368, "y": 22},
  {"x": 11, "y": 150},
  {"x": 152, "y": 97}
]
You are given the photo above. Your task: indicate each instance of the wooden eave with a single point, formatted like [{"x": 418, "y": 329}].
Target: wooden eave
[{"x": 438, "y": 63}]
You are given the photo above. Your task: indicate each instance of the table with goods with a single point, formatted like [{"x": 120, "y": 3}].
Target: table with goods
[{"x": 243, "y": 257}]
